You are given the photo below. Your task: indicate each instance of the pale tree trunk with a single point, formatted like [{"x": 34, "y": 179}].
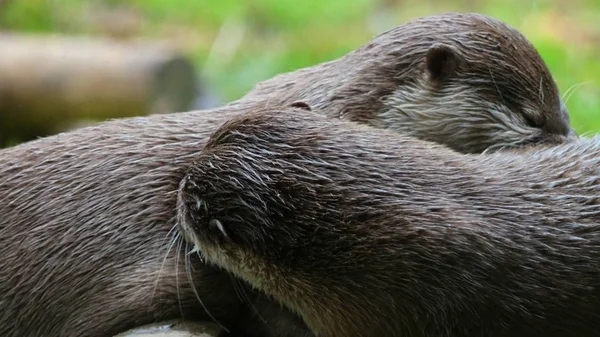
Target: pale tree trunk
[{"x": 48, "y": 83}]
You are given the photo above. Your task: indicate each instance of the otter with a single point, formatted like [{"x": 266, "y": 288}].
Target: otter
[
  {"x": 468, "y": 81},
  {"x": 86, "y": 233},
  {"x": 87, "y": 217},
  {"x": 364, "y": 232}
]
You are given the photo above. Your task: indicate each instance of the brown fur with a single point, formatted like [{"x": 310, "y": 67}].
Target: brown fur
[
  {"x": 86, "y": 233},
  {"x": 85, "y": 216},
  {"x": 368, "y": 233},
  {"x": 497, "y": 93}
]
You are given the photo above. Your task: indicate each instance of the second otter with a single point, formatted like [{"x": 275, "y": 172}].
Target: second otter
[
  {"x": 367, "y": 233},
  {"x": 464, "y": 80}
]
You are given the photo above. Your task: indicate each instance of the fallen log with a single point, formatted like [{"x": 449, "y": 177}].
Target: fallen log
[{"x": 49, "y": 82}]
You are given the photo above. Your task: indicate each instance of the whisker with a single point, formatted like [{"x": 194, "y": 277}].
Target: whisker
[
  {"x": 237, "y": 289},
  {"x": 173, "y": 228},
  {"x": 569, "y": 92},
  {"x": 188, "y": 272},
  {"x": 170, "y": 247},
  {"x": 195, "y": 250},
  {"x": 237, "y": 284},
  {"x": 179, "y": 245},
  {"x": 587, "y": 133}
]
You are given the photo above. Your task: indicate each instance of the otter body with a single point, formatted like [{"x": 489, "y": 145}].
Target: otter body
[
  {"x": 86, "y": 217},
  {"x": 368, "y": 233}
]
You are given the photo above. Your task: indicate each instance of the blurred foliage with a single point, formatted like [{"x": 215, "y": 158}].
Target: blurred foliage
[{"x": 237, "y": 43}]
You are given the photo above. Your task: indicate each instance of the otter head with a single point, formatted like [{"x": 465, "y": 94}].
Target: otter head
[
  {"x": 272, "y": 200},
  {"x": 464, "y": 80}
]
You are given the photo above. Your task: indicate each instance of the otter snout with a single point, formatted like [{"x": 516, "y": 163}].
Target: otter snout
[
  {"x": 219, "y": 201},
  {"x": 236, "y": 192},
  {"x": 195, "y": 221},
  {"x": 188, "y": 208}
]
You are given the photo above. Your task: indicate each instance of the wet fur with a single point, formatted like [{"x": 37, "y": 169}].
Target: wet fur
[
  {"x": 498, "y": 94},
  {"x": 86, "y": 216},
  {"x": 368, "y": 233}
]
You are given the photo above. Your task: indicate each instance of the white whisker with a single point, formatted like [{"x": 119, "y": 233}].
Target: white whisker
[
  {"x": 173, "y": 241},
  {"x": 179, "y": 244},
  {"x": 569, "y": 92},
  {"x": 188, "y": 272},
  {"x": 243, "y": 296}
]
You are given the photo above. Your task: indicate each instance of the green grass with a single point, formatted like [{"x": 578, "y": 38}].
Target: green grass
[{"x": 280, "y": 36}]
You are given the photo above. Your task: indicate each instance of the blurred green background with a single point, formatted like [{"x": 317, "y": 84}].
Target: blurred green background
[{"x": 236, "y": 43}]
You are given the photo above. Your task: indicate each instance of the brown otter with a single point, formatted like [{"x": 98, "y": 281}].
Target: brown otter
[
  {"x": 86, "y": 216},
  {"x": 368, "y": 233},
  {"x": 465, "y": 80},
  {"x": 86, "y": 232}
]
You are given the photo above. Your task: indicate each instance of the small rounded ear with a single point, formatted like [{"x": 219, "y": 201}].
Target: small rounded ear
[
  {"x": 301, "y": 105},
  {"x": 441, "y": 61}
]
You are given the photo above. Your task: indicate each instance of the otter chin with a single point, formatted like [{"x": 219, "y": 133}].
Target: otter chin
[{"x": 364, "y": 232}]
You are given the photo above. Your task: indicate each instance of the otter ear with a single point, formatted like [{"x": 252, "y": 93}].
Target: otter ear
[
  {"x": 441, "y": 61},
  {"x": 301, "y": 105}
]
